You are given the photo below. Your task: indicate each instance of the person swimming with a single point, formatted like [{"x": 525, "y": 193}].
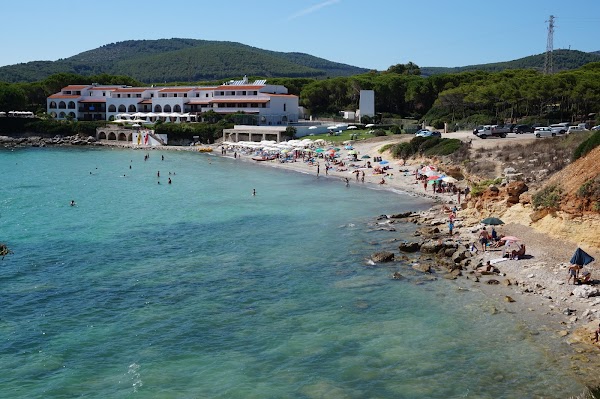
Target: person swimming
[{"x": 72, "y": 202}]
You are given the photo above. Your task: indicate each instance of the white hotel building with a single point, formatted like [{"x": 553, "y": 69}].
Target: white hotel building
[{"x": 271, "y": 105}]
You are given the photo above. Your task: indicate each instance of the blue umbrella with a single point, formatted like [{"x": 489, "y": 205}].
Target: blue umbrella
[
  {"x": 383, "y": 162},
  {"x": 581, "y": 258}
]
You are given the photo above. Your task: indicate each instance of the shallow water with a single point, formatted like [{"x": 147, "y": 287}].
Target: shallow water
[{"x": 200, "y": 290}]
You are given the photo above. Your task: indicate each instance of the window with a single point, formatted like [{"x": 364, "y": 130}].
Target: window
[
  {"x": 138, "y": 95},
  {"x": 174, "y": 94},
  {"x": 128, "y": 95},
  {"x": 122, "y": 108},
  {"x": 185, "y": 94},
  {"x": 112, "y": 108},
  {"x": 151, "y": 95},
  {"x": 118, "y": 96},
  {"x": 284, "y": 107},
  {"x": 197, "y": 94}
]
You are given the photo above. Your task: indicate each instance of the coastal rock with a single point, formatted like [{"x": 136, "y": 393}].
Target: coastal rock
[
  {"x": 460, "y": 255},
  {"x": 409, "y": 246},
  {"x": 401, "y": 215},
  {"x": 431, "y": 247},
  {"x": 383, "y": 256},
  {"x": 585, "y": 291},
  {"x": 397, "y": 276},
  {"x": 422, "y": 267}
]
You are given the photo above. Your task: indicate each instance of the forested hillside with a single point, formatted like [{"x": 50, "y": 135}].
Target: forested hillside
[
  {"x": 562, "y": 60},
  {"x": 172, "y": 60}
]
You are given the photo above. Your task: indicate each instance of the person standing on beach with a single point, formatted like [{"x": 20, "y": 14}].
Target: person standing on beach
[
  {"x": 318, "y": 169},
  {"x": 484, "y": 237},
  {"x": 362, "y": 177},
  {"x": 573, "y": 273},
  {"x": 450, "y": 226}
]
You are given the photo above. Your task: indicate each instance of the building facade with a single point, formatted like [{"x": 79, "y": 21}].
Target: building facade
[{"x": 266, "y": 105}]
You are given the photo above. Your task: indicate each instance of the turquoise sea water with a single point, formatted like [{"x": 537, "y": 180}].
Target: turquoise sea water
[{"x": 200, "y": 290}]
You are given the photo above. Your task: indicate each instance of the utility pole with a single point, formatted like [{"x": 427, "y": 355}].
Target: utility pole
[{"x": 548, "y": 61}]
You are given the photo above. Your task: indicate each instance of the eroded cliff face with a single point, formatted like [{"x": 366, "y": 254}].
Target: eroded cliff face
[{"x": 576, "y": 218}]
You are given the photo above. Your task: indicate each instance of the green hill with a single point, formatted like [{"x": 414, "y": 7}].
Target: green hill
[
  {"x": 171, "y": 60},
  {"x": 563, "y": 60}
]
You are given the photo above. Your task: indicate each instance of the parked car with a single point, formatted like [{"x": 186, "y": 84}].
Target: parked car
[
  {"x": 544, "y": 131},
  {"x": 421, "y": 131},
  {"x": 520, "y": 129},
  {"x": 597, "y": 127},
  {"x": 560, "y": 128},
  {"x": 510, "y": 127},
  {"x": 492, "y": 130},
  {"x": 575, "y": 129},
  {"x": 427, "y": 133}
]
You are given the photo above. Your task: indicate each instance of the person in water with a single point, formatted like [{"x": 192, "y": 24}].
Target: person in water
[{"x": 72, "y": 202}]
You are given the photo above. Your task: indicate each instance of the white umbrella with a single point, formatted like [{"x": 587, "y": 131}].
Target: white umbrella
[
  {"x": 313, "y": 127},
  {"x": 352, "y": 127},
  {"x": 136, "y": 125},
  {"x": 449, "y": 179},
  {"x": 331, "y": 127},
  {"x": 370, "y": 125}
]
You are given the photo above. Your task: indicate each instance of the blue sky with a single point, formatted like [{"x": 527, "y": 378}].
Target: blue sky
[{"x": 370, "y": 34}]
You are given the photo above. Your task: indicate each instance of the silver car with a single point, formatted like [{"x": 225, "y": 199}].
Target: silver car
[{"x": 544, "y": 131}]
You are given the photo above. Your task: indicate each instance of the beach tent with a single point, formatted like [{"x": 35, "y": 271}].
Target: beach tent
[{"x": 581, "y": 258}]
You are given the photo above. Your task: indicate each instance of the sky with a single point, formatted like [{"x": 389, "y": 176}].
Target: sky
[{"x": 373, "y": 34}]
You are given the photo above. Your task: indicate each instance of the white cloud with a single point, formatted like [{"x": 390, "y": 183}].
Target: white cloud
[{"x": 314, "y": 8}]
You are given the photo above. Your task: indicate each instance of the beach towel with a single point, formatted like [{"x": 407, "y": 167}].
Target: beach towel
[
  {"x": 498, "y": 260},
  {"x": 581, "y": 258}
]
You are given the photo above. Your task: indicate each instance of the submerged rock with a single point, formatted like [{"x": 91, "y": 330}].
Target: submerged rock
[{"x": 383, "y": 256}]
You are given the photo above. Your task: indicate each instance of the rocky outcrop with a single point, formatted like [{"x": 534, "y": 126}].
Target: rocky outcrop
[
  {"x": 382, "y": 256},
  {"x": 35, "y": 141},
  {"x": 409, "y": 247}
]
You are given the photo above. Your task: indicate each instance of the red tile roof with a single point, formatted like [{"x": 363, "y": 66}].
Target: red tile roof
[
  {"x": 59, "y": 95},
  {"x": 146, "y": 101},
  {"x": 131, "y": 89},
  {"x": 106, "y": 88}
]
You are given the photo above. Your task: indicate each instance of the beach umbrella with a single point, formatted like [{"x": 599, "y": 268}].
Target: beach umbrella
[
  {"x": 319, "y": 150},
  {"x": 313, "y": 127},
  {"x": 370, "y": 125},
  {"x": 349, "y": 147},
  {"x": 384, "y": 162},
  {"x": 366, "y": 156},
  {"x": 492, "y": 221},
  {"x": 433, "y": 178},
  {"x": 510, "y": 238},
  {"x": 336, "y": 149},
  {"x": 449, "y": 179},
  {"x": 352, "y": 127},
  {"x": 581, "y": 258}
]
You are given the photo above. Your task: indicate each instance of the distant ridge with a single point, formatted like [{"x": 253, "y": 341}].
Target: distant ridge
[
  {"x": 563, "y": 60},
  {"x": 187, "y": 60}
]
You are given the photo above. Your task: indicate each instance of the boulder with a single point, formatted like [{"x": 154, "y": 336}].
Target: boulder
[
  {"x": 409, "y": 246},
  {"x": 460, "y": 255},
  {"x": 401, "y": 215},
  {"x": 397, "y": 276},
  {"x": 585, "y": 291},
  {"x": 431, "y": 247},
  {"x": 382, "y": 256},
  {"x": 422, "y": 267}
]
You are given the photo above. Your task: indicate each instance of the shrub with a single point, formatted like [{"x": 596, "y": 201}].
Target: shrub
[
  {"x": 385, "y": 148},
  {"x": 549, "y": 197},
  {"x": 478, "y": 188},
  {"x": 379, "y": 132},
  {"x": 587, "y": 146},
  {"x": 395, "y": 129}
]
